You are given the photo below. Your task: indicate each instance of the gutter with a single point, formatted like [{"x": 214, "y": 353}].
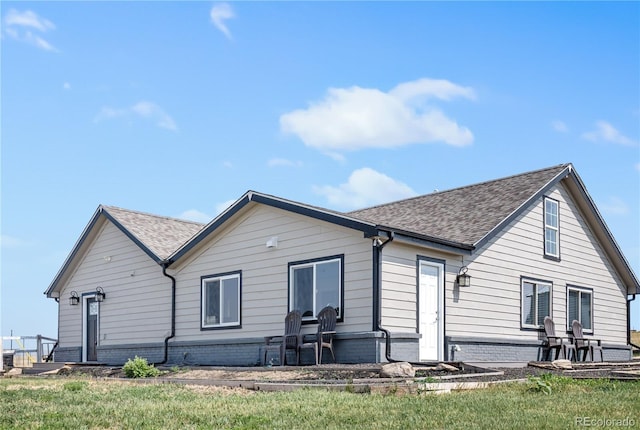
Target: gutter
[
  {"x": 173, "y": 314},
  {"x": 633, "y": 297},
  {"x": 378, "y": 246}
]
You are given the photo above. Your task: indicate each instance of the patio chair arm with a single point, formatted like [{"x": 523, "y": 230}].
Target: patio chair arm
[
  {"x": 557, "y": 337},
  {"x": 269, "y": 339}
]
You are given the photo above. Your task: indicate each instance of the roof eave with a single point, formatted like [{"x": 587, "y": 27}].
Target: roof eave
[
  {"x": 605, "y": 236},
  {"x": 429, "y": 241},
  {"x": 86, "y": 233},
  {"x": 523, "y": 207},
  {"x": 74, "y": 252},
  {"x": 368, "y": 229}
]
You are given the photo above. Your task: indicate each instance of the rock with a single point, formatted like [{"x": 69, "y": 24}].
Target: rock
[
  {"x": 15, "y": 371},
  {"x": 397, "y": 370},
  {"x": 562, "y": 364},
  {"x": 447, "y": 367}
]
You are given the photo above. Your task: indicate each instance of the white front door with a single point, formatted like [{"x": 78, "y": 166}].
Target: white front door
[{"x": 430, "y": 317}]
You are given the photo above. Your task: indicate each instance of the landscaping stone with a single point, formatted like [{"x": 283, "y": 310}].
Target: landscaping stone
[
  {"x": 447, "y": 367},
  {"x": 562, "y": 364},
  {"x": 397, "y": 370}
]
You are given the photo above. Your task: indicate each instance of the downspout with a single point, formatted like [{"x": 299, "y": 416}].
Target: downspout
[
  {"x": 633, "y": 297},
  {"x": 173, "y": 313},
  {"x": 377, "y": 293}
]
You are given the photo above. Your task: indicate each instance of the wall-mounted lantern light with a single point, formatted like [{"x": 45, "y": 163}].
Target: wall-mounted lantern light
[
  {"x": 100, "y": 295},
  {"x": 74, "y": 299},
  {"x": 463, "y": 280}
]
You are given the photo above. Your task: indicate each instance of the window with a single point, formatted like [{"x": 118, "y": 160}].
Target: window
[
  {"x": 536, "y": 302},
  {"x": 551, "y": 228},
  {"x": 221, "y": 300},
  {"x": 315, "y": 284},
  {"x": 580, "y": 307}
]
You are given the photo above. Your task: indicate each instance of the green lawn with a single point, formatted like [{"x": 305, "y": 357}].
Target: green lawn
[{"x": 66, "y": 403}]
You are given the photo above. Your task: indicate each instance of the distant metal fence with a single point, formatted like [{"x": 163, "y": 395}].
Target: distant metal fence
[{"x": 23, "y": 351}]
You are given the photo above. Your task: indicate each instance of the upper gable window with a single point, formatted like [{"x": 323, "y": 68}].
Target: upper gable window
[
  {"x": 551, "y": 228},
  {"x": 221, "y": 301},
  {"x": 314, "y": 284}
]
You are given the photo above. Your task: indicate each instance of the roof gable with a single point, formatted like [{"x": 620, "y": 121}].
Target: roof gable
[
  {"x": 157, "y": 236},
  {"x": 468, "y": 215}
]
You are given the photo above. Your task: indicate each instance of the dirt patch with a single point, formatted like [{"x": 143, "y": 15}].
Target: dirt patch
[{"x": 344, "y": 373}]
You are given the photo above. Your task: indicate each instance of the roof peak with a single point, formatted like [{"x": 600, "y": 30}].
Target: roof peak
[
  {"x": 408, "y": 199},
  {"x": 116, "y": 208}
]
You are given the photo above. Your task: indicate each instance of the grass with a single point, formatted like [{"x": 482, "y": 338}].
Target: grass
[{"x": 29, "y": 403}]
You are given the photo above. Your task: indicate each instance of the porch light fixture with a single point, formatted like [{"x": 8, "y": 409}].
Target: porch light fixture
[
  {"x": 100, "y": 295},
  {"x": 74, "y": 299},
  {"x": 463, "y": 280}
]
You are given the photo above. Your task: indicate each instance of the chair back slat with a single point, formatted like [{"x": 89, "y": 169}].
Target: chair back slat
[
  {"x": 550, "y": 331},
  {"x": 576, "y": 328}
]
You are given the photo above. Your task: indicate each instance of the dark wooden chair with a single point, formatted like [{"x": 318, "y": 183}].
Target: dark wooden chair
[
  {"x": 290, "y": 339},
  {"x": 586, "y": 345},
  {"x": 557, "y": 343},
  {"x": 323, "y": 338}
]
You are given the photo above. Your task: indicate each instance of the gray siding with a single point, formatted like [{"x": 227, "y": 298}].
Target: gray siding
[
  {"x": 137, "y": 307},
  {"x": 241, "y": 245},
  {"x": 491, "y": 307}
]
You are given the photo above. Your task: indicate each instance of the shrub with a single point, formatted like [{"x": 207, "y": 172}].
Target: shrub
[{"x": 139, "y": 368}]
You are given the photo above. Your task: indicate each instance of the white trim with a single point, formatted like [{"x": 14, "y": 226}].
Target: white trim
[
  {"x": 314, "y": 264},
  {"x": 440, "y": 309},
  {"x": 220, "y": 280},
  {"x": 85, "y": 310},
  {"x": 580, "y": 291},
  {"x": 555, "y": 229},
  {"x": 536, "y": 283}
]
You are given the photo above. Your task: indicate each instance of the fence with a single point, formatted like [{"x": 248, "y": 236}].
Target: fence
[{"x": 23, "y": 351}]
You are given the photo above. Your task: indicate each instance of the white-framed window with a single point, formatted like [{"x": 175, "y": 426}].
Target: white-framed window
[
  {"x": 536, "y": 302},
  {"x": 314, "y": 284},
  {"x": 580, "y": 307},
  {"x": 221, "y": 300},
  {"x": 551, "y": 228}
]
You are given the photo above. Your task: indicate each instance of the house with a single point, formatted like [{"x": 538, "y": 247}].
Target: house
[{"x": 173, "y": 291}]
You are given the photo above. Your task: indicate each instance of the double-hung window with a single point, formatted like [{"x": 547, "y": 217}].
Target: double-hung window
[
  {"x": 221, "y": 300},
  {"x": 551, "y": 228},
  {"x": 580, "y": 307},
  {"x": 314, "y": 284},
  {"x": 536, "y": 302}
]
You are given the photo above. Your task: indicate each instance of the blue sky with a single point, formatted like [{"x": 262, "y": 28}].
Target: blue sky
[{"x": 177, "y": 109}]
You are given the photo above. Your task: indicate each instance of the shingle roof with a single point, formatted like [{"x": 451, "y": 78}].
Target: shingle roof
[
  {"x": 463, "y": 215},
  {"x": 161, "y": 235}
]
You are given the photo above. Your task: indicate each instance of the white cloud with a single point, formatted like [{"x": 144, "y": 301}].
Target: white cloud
[
  {"x": 559, "y": 126},
  {"x": 607, "y": 133},
  {"x": 350, "y": 119},
  {"x": 220, "y": 13},
  {"x": 365, "y": 187},
  {"x": 28, "y": 19},
  {"x": 283, "y": 162},
  {"x": 195, "y": 215},
  {"x": 614, "y": 206},
  {"x": 141, "y": 109},
  {"x": 20, "y": 26}
]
